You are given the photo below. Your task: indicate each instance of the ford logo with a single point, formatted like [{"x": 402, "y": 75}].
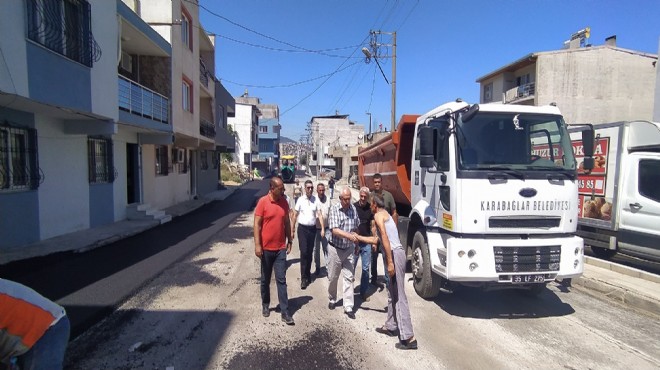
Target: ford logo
[{"x": 527, "y": 192}]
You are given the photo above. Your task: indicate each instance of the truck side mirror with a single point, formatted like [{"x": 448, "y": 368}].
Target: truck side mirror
[
  {"x": 588, "y": 141},
  {"x": 426, "y": 136}
]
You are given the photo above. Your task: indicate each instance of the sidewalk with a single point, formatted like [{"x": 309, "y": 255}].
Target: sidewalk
[{"x": 88, "y": 239}]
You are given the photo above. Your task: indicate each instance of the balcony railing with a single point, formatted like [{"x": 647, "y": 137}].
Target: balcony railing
[
  {"x": 203, "y": 74},
  {"x": 519, "y": 92},
  {"x": 206, "y": 129},
  {"x": 142, "y": 101}
]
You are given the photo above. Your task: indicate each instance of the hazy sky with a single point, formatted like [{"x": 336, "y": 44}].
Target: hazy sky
[{"x": 305, "y": 55}]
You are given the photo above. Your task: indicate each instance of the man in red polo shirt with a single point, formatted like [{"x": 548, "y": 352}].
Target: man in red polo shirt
[{"x": 272, "y": 242}]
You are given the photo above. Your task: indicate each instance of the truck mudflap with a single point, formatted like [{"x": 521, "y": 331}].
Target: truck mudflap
[{"x": 506, "y": 261}]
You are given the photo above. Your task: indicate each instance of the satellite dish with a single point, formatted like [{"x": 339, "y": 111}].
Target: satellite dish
[{"x": 360, "y": 136}]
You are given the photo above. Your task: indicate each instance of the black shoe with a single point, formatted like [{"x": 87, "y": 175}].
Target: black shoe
[
  {"x": 331, "y": 306},
  {"x": 386, "y": 331},
  {"x": 265, "y": 310},
  {"x": 350, "y": 314},
  {"x": 407, "y": 344},
  {"x": 364, "y": 297},
  {"x": 288, "y": 319},
  {"x": 374, "y": 281},
  {"x": 304, "y": 284}
]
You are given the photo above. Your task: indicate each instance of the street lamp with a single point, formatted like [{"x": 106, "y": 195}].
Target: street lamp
[{"x": 367, "y": 53}]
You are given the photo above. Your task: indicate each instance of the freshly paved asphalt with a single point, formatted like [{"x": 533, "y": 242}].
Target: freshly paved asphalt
[{"x": 92, "y": 284}]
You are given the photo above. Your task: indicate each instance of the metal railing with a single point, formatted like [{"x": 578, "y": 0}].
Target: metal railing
[
  {"x": 142, "y": 101},
  {"x": 519, "y": 92},
  {"x": 206, "y": 129},
  {"x": 203, "y": 73}
]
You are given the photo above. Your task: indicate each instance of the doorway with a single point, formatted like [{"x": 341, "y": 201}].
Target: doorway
[{"x": 132, "y": 173}]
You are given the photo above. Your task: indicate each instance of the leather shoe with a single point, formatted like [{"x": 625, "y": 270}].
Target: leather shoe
[
  {"x": 386, "y": 331},
  {"x": 350, "y": 314},
  {"x": 265, "y": 310},
  {"x": 288, "y": 319},
  {"x": 407, "y": 344},
  {"x": 331, "y": 306},
  {"x": 364, "y": 298}
]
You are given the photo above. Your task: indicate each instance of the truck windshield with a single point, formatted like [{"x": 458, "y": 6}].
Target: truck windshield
[{"x": 515, "y": 141}]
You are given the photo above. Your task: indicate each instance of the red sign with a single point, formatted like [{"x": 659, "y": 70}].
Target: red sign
[{"x": 591, "y": 184}]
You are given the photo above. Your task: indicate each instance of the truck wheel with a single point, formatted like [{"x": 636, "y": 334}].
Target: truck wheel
[
  {"x": 426, "y": 285},
  {"x": 603, "y": 253}
]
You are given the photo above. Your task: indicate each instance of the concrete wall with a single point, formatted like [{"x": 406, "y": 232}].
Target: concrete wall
[
  {"x": 64, "y": 194},
  {"x": 13, "y": 65},
  {"x": 596, "y": 85},
  {"x": 656, "y": 109},
  {"x": 242, "y": 124},
  {"x": 103, "y": 76}
]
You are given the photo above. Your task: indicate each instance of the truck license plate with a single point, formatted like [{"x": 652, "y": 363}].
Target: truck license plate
[{"x": 526, "y": 279}]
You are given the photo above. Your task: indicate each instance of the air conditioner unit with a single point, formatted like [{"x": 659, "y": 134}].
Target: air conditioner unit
[{"x": 126, "y": 62}]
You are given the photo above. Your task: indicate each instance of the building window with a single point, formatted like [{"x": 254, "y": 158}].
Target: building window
[
  {"x": 216, "y": 159},
  {"x": 180, "y": 159},
  {"x": 162, "y": 160},
  {"x": 204, "y": 159},
  {"x": 99, "y": 160},
  {"x": 63, "y": 26},
  {"x": 186, "y": 29},
  {"x": 18, "y": 158},
  {"x": 187, "y": 95},
  {"x": 648, "y": 179},
  {"x": 263, "y": 129},
  {"x": 488, "y": 93}
]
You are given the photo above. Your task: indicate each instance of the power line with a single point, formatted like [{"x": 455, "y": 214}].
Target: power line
[
  {"x": 322, "y": 52},
  {"x": 302, "y": 49},
  {"x": 292, "y": 84}
]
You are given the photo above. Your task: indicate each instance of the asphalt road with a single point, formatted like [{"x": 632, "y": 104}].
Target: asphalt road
[{"x": 92, "y": 284}]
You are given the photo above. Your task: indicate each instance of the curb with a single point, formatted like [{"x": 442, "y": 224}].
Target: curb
[{"x": 619, "y": 294}]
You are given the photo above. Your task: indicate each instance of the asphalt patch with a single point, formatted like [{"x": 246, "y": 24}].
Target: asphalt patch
[{"x": 320, "y": 349}]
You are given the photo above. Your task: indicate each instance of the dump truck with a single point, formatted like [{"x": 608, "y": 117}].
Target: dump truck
[
  {"x": 619, "y": 199},
  {"x": 476, "y": 205}
]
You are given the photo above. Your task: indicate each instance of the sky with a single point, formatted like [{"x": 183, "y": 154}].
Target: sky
[{"x": 305, "y": 55}]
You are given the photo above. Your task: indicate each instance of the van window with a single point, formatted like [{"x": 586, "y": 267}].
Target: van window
[{"x": 648, "y": 179}]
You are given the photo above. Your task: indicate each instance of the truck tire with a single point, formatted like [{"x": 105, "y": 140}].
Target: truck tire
[
  {"x": 426, "y": 284},
  {"x": 603, "y": 253}
]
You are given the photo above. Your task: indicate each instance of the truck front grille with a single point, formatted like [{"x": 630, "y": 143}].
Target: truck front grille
[
  {"x": 524, "y": 222},
  {"x": 527, "y": 259}
]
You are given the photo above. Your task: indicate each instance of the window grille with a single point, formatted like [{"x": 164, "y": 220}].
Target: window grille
[
  {"x": 19, "y": 169},
  {"x": 63, "y": 26},
  {"x": 101, "y": 169},
  {"x": 204, "y": 159},
  {"x": 162, "y": 160}
]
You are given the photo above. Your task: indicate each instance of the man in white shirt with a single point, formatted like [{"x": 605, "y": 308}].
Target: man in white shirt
[
  {"x": 306, "y": 214},
  {"x": 321, "y": 240}
]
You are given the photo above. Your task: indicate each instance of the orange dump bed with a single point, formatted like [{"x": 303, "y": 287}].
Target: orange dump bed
[{"x": 391, "y": 156}]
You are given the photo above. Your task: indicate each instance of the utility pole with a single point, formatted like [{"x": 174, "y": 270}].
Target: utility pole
[
  {"x": 369, "y": 113},
  {"x": 374, "y": 53}
]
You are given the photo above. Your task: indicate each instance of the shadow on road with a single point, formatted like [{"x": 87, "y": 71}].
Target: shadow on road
[{"x": 502, "y": 304}]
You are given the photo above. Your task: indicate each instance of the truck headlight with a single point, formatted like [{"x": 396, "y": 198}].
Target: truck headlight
[
  {"x": 576, "y": 263},
  {"x": 471, "y": 253},
  {"x": 473, "y": 266}
]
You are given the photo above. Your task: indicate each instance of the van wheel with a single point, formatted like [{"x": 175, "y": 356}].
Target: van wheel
[
  {"x": 426, "y": 285},
  {"x": 603, "y": 253}
]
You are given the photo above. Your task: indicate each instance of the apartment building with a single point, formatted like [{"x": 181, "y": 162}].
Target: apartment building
[
  {"x": 181, "y": 166},
  {"x": 245, "y": 125},
  {"x": 60, "y": 171},
  {"x": 330, "y": 133},
  {"x": 269, "y": 137},
  {"x": 589, "y": 84}
]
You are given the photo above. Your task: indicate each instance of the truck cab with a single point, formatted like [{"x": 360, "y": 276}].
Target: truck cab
[{"x": 493, "y": 198}]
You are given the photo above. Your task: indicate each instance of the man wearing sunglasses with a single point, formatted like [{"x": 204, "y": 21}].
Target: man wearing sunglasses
[{"x": 306, "y": 214}]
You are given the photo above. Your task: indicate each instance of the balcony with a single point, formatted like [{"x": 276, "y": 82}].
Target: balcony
[
  {"x": 206, "y": 129},
  {"x": 139, "y": 100},
  {"x": 203, "y": 74},
  {"x": 522, "y": 92}
]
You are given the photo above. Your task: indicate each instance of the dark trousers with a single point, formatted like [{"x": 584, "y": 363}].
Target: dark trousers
[
  {"x": 374, "y": 261},
  {"x": 274, "y": 260},
  {"x": 306, "y": 236}
]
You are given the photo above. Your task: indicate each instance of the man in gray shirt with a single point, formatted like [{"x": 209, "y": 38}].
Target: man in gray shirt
[{"x": 390, "y": 207}]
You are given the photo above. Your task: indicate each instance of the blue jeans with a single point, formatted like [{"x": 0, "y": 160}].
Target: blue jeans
[
  {"x": 274, "y": 260},
  {"x": 365, "y": 255},
  {"x": 48, "y": 351},
  {"x": 332, "y": 193}
]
